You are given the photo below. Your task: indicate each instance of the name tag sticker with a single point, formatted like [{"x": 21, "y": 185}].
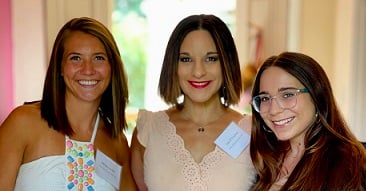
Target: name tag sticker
[
  {"x": 106, "y": 168},
  {"x": 233, "y": 140}
]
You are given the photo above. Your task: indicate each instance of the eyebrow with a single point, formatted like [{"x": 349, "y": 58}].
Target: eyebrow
[
  {"x": 78, "y": 53},
  {"x": 279, "y": 90},
  {"x": 69, "y": 53},
  {"x": 286, "y": 88},
  {"x": 100, "y": 53},
  {"x": 184, "y": 53},
  {"x": 208, "y": 53}
]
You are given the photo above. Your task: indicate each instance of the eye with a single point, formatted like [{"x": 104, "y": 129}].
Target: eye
[
  {"x": 264, "y": 98},
  {"x": 100, "y": 58},
  {"x": 288, "y": 94},
  {"x": 75, "y": 57},
  {"x": 211, "y": 59},
  {"x": 185, "y": 59}
]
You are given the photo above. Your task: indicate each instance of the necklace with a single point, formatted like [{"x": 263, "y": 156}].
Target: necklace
[
  {"x": 201, "y": 128},
  {"x": 216, "y": 115},
  {"x": 80, "y": 162}
]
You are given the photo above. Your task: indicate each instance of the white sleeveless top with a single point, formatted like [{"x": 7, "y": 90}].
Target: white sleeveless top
[{"x": 73, "y": 171}]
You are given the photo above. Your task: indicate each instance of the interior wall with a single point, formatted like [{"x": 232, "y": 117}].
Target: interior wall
[
  {"x": 317, "y": 32},
  {"x": 59, "y": 12},
  {"x": 6, "y": 68},
  {"x": 356, "y": 97},
  {"x": 29, "y": 45},
  {"x": 349, "y": 63},
  {"x": 242, "y": 30},
  {"x": 267, "y": 18}
]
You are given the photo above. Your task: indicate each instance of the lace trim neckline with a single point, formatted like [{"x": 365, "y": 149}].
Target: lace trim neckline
[{"x": 195, "y": 173}]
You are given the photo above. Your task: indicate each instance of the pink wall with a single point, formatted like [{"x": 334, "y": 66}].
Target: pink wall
[{"x": 6, "y": 60}]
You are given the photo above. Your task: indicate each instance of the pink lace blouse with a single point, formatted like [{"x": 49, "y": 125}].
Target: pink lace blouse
[{"x": 169, "y": 166}]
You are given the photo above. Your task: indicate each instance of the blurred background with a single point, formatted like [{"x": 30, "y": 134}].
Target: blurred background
[{"x": 331, "y": 31}]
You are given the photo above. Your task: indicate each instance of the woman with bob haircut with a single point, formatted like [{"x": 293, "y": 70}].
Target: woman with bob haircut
[{"x": 176, "y": 148}]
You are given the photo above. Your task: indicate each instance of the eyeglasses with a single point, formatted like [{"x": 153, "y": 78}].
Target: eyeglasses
[{"x": 286, "y": 99}]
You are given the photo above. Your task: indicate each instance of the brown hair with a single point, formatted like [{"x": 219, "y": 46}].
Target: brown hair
[
  {"x": 169, "y": 88},
  {"x": 333, "y": 160},
  {"x": 114, "y": 99}
]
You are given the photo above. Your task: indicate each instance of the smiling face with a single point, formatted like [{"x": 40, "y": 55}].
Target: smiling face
[
  {"x": 85, "y": 67},
  {"x": 287, "y": 124},
  {"x": 199, "y": 69}
]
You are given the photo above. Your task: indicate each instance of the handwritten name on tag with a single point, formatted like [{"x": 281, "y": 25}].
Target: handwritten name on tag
[
  {"x": 107, "y": 169},
  {"x": 233, "y": 140}
]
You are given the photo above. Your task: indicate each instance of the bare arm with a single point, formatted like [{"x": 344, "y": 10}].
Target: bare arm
[
  {"x": 137, "y": 156},
  {"x": 12, "y": 146},
  {"x": 127, "y": 181}
]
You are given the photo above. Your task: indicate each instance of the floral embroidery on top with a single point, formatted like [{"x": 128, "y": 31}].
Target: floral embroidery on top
[
  {"x": 80, "y": 162},
  {"x": 195, "y": 174}
]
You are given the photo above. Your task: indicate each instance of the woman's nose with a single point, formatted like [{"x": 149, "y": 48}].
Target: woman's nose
[
  {"x": 275, "y": 106},
  {"x": 198, "y": 69},
  {"x": 88, "y": 67}
]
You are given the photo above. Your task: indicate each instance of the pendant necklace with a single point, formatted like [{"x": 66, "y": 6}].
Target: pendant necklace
[{"x": 201, "y": 128}]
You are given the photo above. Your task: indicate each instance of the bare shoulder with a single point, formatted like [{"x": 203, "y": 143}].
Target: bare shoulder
[
  {"x": 22, "y": 124},
  {"x": 22, "y": 117},
  {"x": 237, "y": 116},
  {"x": 243, "y": 120},
  {"x": 18, "y": 130}
]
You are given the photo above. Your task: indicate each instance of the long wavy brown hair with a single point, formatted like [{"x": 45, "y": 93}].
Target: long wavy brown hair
[{"x": 334, "y": 159}]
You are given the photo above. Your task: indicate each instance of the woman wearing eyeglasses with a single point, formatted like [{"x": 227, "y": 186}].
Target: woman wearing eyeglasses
[{"x": 300, "y": 140}]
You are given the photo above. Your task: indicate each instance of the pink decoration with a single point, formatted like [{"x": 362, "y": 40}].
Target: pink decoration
[
  {"x": 81, "y": 173},
  {"x": 69, "y": 144},
  {"x": 91, "y": 147}
]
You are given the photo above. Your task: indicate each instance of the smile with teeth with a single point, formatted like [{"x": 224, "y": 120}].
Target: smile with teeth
[
  {"x": 284, "y": 121},
  {"x": 88, "y": 82},
  {"x": 199, "y": 84}
]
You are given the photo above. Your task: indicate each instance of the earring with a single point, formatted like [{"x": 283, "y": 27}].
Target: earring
[
  {"x": 224, "y": 98},
  {"x": 317, "y": 118},
  {"x": 180, "y": 99}
]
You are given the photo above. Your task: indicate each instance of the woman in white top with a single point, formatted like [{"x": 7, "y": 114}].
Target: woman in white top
[{"x": 73, "y": 138}]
